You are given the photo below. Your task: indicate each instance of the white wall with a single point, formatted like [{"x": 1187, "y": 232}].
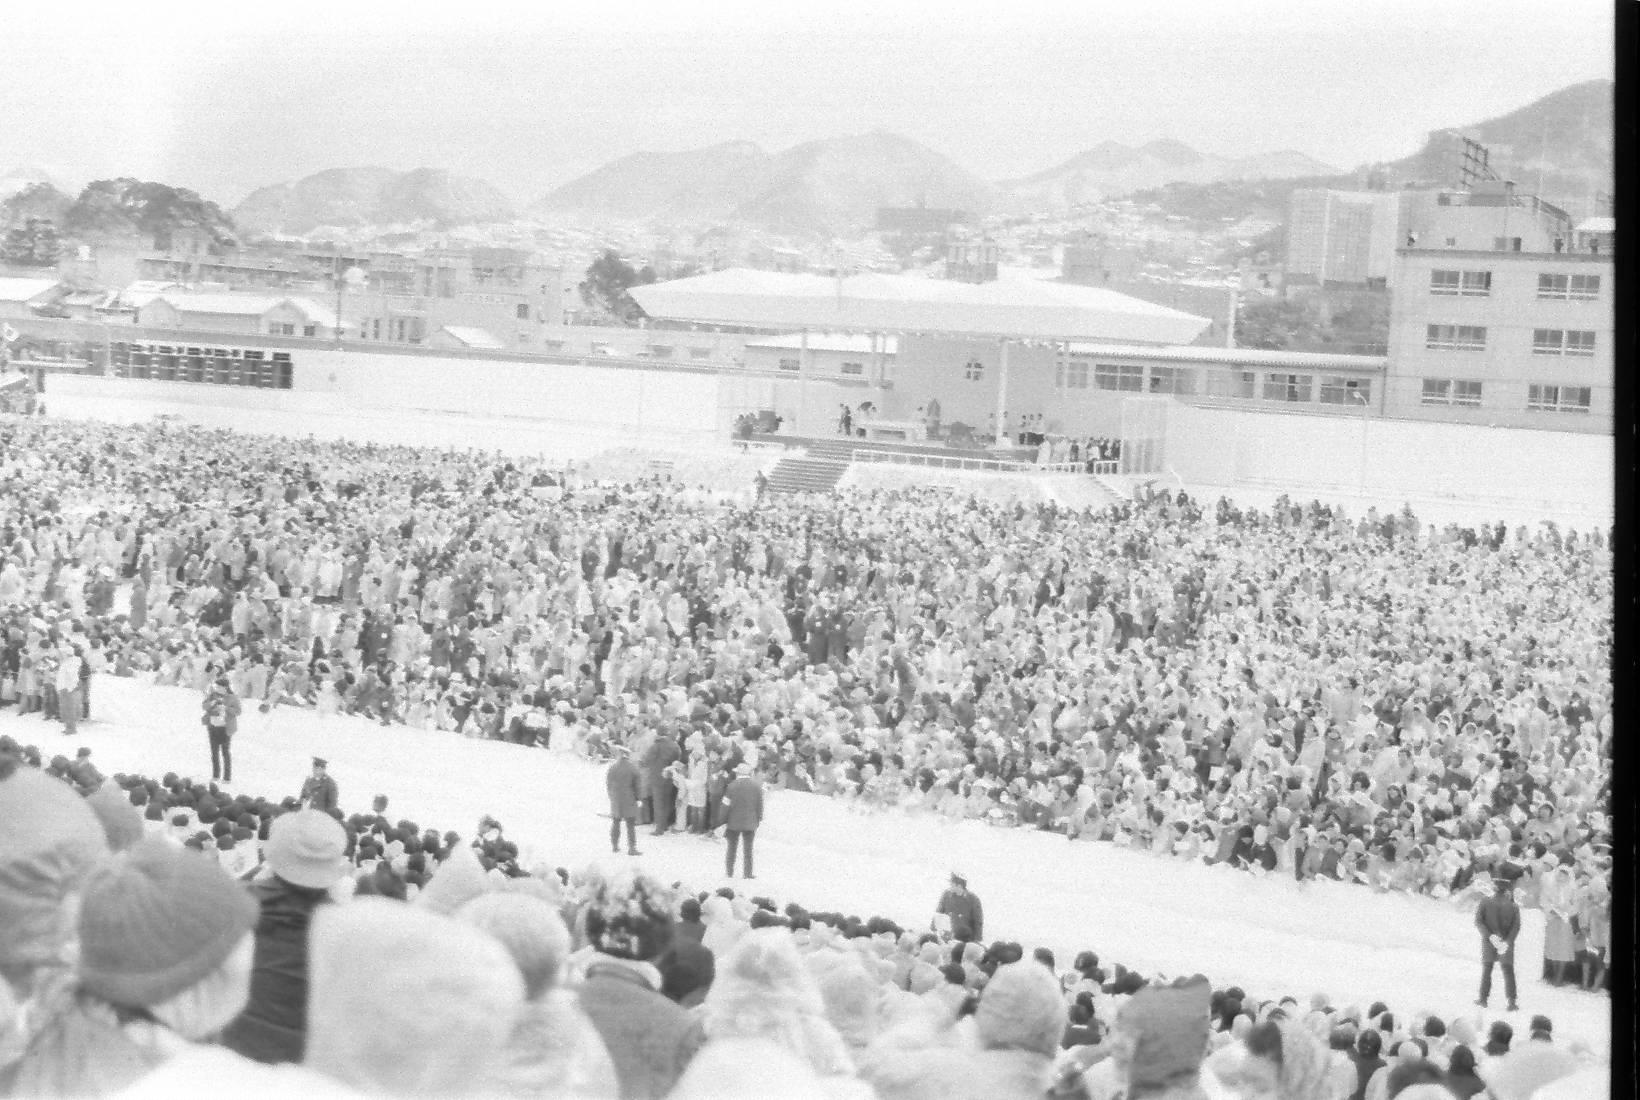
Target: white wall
[{"x": 1556, "y": 473}]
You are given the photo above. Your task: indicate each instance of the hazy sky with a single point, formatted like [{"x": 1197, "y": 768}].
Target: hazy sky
[{"x": 224, "y": 97}]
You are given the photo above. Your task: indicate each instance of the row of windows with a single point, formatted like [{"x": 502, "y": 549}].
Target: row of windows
[
  {"x": 210, "y": 366},
  {"x": 846, "y": 368},
  {"x": 1243, "y": 385},
  {"x": 286, "y": 328},
  {"x": 1464, "y": 393},
  {"x": 1545, "y": 341},
  {"x": 1478, "y": 284}
]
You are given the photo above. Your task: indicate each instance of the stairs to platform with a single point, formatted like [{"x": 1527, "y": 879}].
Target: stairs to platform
[{"x": 807, "y": 474}]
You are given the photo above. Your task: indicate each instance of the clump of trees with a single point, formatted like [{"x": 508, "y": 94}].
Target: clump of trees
[{"x": 608, "y": 285}]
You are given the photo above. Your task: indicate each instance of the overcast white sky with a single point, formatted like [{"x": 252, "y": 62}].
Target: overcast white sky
[{"x": 224, "y": 97}]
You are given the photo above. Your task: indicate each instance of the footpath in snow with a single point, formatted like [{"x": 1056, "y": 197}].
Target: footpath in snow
[{"x": 1270, "y": 935}]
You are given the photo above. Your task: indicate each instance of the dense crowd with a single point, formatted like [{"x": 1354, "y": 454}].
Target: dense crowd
[
  {"x": 1288, "y": 691},
  {"x": 166, "y": 935}
]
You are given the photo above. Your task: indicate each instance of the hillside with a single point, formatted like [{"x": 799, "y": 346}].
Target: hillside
[
  {"x": 837, "y": 185},
  {"x": 1113, "y": 170},
  {"x": 697, "y": 184},
  {"x": 834, "y": 185},
  {"x": 1565, "y": 139},
  {"x": 371, "y": 196}
]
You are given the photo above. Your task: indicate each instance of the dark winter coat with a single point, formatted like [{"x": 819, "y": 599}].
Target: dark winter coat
[
  {"x": 744, "y": 804},
  {"x": 650, "y": 1039},
  {"x": 319, "y": 792},
  {"x": 661, "y": 755},
  {"x": 622, "y": 782},
  {"x": 966, "y": 913},
  {"x": 1498, "y": 916},
  {"x": 273, "y": 1026}
]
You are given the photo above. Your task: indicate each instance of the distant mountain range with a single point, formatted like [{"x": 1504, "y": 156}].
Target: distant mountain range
[
  {"x": 1562, "y": 142},
  {"x": 347, "y": 197},
  {"x": 829, "y": 186},
  {"x": 1111, "y": 170}
]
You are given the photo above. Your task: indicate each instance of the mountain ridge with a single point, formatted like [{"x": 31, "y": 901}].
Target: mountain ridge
[{"x": 371, "y": 195}]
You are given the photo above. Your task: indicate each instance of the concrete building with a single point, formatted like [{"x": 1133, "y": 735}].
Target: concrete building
[
  {"x": 238, "y": 313},
  {"x": 1342, "y": 236},
  {"x": 506, "y": 292},
  {"x": 845, "y": 356},
  {"x": 1510, "y": 337}
]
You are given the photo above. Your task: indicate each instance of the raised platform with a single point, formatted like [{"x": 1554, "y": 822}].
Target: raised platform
[{"x": 841, "y": 446}]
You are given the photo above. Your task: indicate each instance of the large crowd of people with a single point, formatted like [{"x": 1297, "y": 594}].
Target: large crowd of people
[
  {"x": 166, "y": 935},
  {"x": 1407, "y": 707}
]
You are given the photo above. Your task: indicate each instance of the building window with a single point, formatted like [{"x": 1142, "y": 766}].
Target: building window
[
  {"x": 1126, "y": 377},
  {"x": 660, "y": 351},
  {"x": 973, "y": 370},
  {"x": 1287, "y": 387},
  {"x": 1554, "y": 341},
  {"x": 1470, "y": 284},
  {"x": 1584, "y": 288},
  {"x": 854, "y": 368},
  {"x": 1566, "y": 399},
  {"x": 1072, "y": 375},
  {"x": 1230, "y": 383},
  {"x": 310, "y": 330},
  {"x": 1171, "y": 380},
  {"x": 700, "y": 353},
  {"x": 281, "y": 328},
  {"x": 1553, "y": 286},
  {"x": 1467, "y": 394},
  {"x": 1455, "y": 337},
  {"x": 523, "y": 311},
  {"x": 1579, "y": 342},
  {"x": 1505, "y": 244},
  {"x": 1345, "y": 391},
  {"x": 788, "y": 364},
  {"x": 1437, "y": 391}
]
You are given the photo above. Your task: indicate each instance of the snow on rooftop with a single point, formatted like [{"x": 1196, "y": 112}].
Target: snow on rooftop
[
  {"x": 24, "y": 289},
  {"x": 470, "y": 337}
]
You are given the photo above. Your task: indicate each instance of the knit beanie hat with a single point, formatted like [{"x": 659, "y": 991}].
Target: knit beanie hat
[
  {"x": 457, "y": 881},
  {"x": 1022, "y": 1008},
  {"x": 1169, "y": 1025},
  {"x": 403, "y": 1001},
  {"x": 629, "y": 915},
  {"x": 49, "y": 841},
  {"x": 157, "y": 920},
  {"x": 306, "y": 848},
  {"x": 528, "y": 927}
]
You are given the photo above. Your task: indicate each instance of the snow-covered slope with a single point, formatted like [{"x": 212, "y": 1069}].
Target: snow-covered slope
[{"x": 1269, "y": 935}]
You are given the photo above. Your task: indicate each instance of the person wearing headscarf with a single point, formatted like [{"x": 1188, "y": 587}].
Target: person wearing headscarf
[
  {"x": 764, "y": 990},
  {"x": 553, "y": 1051},
  {"x": 1277, "y": 1060},
  {"x": 407, "y": 1002}
]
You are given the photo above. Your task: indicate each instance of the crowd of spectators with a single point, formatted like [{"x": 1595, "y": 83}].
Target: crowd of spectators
[
  {"x": 1407, "y": 707},
  {"x": 146, "y": 955}
]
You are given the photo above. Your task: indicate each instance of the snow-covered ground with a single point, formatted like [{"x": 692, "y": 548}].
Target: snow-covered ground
[{"x": 1267, "y": 934}]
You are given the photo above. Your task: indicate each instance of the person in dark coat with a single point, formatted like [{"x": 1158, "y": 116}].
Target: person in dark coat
[
  {"x": 622, "y": 783},
  {"x": 964, "y": 908},
  {"x": 305, "y": 855},
  {"x": 319, "y": 790},
  {"x": 1498, "y": 919},
  {"x": 662, "y": 755},
  {"x": 743, "y": 813},
  {"x": 221, "y": 719},
  {"x": 650, "y": 1038},
  {"x": 689, "y": 926}
]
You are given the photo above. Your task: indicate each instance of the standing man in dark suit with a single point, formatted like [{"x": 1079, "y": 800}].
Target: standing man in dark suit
[
  {"x": 1498, "y": 918},
  {"x": 622, "y": 782},
  {"x": 319, "y": 790},
  {"x": 962, "y": 908},
  {"x": 221, "y": 720},
  {"x": 662, "y": 755},
  {"x": 743, "y": 813}
]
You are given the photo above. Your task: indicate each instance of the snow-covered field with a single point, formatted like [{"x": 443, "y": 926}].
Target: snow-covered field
[{"x": 1270, "y": 935}]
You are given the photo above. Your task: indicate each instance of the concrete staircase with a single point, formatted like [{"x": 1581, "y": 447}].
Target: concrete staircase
[{"x": 800, "y": 473}]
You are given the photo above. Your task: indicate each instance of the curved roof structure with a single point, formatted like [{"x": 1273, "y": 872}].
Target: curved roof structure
[{"x": 1011, "y": 306}]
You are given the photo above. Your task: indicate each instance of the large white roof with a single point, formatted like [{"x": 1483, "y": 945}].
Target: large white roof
[
  {"x": 24, "y": 289},
  {"x": 246, "y": 305},
  {"x": 473, "y": 337},
  {"x": 1009, "y": 306},
  {"x": 1597, "y": 225}
]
